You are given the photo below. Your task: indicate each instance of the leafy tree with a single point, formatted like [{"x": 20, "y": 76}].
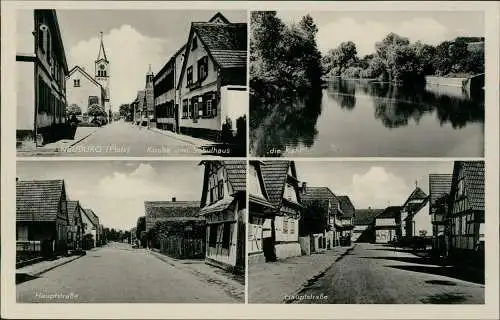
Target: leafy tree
[
  {"x": 315, "y": 218},
  {"x": 340, "y": 58},
  {"x": 96, "y": 110},
  {"x": 73, "y": 109}
]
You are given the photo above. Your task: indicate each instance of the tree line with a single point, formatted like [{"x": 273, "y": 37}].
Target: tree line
[
  {"x": 285, "y": 60},
  {"x": 397, "y": 60}
]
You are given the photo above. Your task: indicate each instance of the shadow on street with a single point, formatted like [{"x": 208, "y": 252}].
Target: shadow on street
[{"x": 452, "y": 272}]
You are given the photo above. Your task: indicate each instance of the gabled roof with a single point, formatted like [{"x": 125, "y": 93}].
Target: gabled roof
[
  {"x": 389, "y": 212},
  {"x": 38, "y": 200},
  {"x": 236, "y": 174},
  {"x": 170, "y": 211},
  {"x": 85, "y": 74},
  {"x": 317, "y": 193},
  {"x": 74, "y": 217},
  {"x": 366, "y": 216},
  {"x": 220, "y": 16},
  {"x": 226, "y": 44},
  {"x": 346, "y": 206},
  {"x": 92, "y": 217},
  {"x": 416, "y": 200},
  {"x": 439, "y": 185},
  {"x": 474, "y": 182},
  {"x": 275, "y": 174}
]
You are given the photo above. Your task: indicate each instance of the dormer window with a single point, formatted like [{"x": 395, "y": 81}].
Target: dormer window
[{"x": 195, "y": 44}]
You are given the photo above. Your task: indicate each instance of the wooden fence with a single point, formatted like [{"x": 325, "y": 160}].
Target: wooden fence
[{"x": 182, "y": 247}]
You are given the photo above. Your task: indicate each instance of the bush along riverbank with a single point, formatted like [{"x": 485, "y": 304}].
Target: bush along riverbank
[{"x": 284, "y": 59}]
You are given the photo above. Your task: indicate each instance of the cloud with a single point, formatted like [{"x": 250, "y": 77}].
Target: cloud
[
  {"x": 378, "y": 188},
  {"x": 366, "y": 33},
  {"x": 129, "y": 53},
  {"x": 124, "y": 195}
]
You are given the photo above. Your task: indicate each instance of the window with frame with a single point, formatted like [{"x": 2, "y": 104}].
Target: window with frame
[
  {"x": 202, "y": 68},
  {"x": 195, "y": 43},
  {"x": 292, "y": 226},
  {"x": 185, "y": 112},
  {"x": 93, "y": 100},
  {"x": 220, "y": 189},
  {"x": 189, "y": 76},
  {"x": 76, "y": 82},
  {"x": 285, "y": 224},
  {"x": 226, "y": 235},
  {"x": 41, "y": 39},
  {"x": 212, "y": 239},
  {"x": 461, "y": 189}
]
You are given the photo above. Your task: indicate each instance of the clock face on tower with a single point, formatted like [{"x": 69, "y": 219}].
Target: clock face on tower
[{"x": 102, "y": 67}]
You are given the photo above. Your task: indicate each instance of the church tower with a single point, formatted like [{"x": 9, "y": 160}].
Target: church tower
[
  {"x": 149, "y": 78},
  {"x": 102, "y": 73}
]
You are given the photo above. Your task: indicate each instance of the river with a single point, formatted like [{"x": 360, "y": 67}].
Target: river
[{"x": 352, "y": 118}]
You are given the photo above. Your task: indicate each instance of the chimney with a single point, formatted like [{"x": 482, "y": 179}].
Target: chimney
[
  {"x": 304, "y": 187},
  {"x": 173, "y": 199}
]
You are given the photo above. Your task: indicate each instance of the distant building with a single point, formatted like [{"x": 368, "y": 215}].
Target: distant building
[
  {"x": 364, "y": 225},
  {"x": 166, "y": 94},
  {"x": 346, "y": 224},
  {"x": 320, "y": 228},
  {"x": 466, "y": 212},
  {"x": 174, "y": 210},
  {"x": 388, "y": 225},
  {"x": 281, "y": 234},
  {"x": 41, "y": 216},
  {"x": 439, "y": 192},
  {"x": 212, "y": 84},
  {"x": 41, "y": 69},
  {"x": 415, "y": 220},
  {"x": 223, "y": 205},
  {"x": 91, "y": 231},
  {"x": 75, "y": 225},
  {"x": 83, "y": 90}
]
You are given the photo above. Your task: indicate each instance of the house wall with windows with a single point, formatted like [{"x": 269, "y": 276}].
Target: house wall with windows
[
  {"x": 42, "y": 103},
  {"x": 83, "y": 91},
  {"x": 224, "y": 210},
  {"x": 164, "y": 96},
  {"x": 199, "y": 92}
]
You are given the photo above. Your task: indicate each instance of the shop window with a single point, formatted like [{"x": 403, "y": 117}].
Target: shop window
[
  {"x": 226, "y": 235},
  {"x": 212, "y": 239}
]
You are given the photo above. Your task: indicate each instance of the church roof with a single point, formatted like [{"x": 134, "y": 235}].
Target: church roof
[{"x": 102, "y": 52}]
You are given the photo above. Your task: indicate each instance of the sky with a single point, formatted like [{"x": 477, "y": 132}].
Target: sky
[
  {"x": 366, "y": 28},
  {"x": 116, "y": 190},
  {"x": 133, "y": 39},
  {"x": 371, "y": 184}
]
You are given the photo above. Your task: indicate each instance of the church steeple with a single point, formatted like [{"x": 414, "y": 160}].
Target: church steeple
[
  {"x": 149, "y": 77},
  {"x": 102, "y": 52}
]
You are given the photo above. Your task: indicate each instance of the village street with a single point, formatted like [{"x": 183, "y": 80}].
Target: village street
[
  {"x": 125, "y": 139},
  {"x": 119, "y": 273},
  {"x": 380, "y": 274}
]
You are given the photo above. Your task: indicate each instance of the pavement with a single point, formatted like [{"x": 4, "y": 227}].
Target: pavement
[
  {"x": 39, "y": 268},
  {"x": 233, "y": 285},
  {"x": 276, "y": 282},
  {"x": 182, "y": 137},
  {"x": 377, "y": 274},
  {"x": 118, "y": 273},
  {"x": 121, "y": 139}
]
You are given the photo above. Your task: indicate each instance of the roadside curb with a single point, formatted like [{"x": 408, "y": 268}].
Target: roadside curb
[
  {"x": 314, "y": 278},
  {"x": 175, "y": 137},
  {"x": 81, "y": 139},
  {"x": 55, "y": 266}
]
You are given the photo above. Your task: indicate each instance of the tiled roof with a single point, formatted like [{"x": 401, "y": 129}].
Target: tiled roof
[
  {"x": 474, "y": 183},
  {"x": 227, "y": 43},
  {"x": 170, "y": 210},
  {"x": 274, "y": 174},
  {"x": 236, "y": 174},
  {"x": 92, "y": 217},
  {"x": 73, "y": 212},
  {"x": 366, "y": 216},
  {"x": 419, "y": 195},
  {"x": 439, "y": 185},
  {"x": 218, "y": 206},
  {"x": 38, "y": 200},
  {"x": 317, "y": 193},
  {"x": 346, "y": 206},
  {"x": 390, "y": 212}
]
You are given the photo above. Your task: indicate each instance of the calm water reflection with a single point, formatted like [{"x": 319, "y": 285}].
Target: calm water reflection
[{"x": 354, "y": 118}]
